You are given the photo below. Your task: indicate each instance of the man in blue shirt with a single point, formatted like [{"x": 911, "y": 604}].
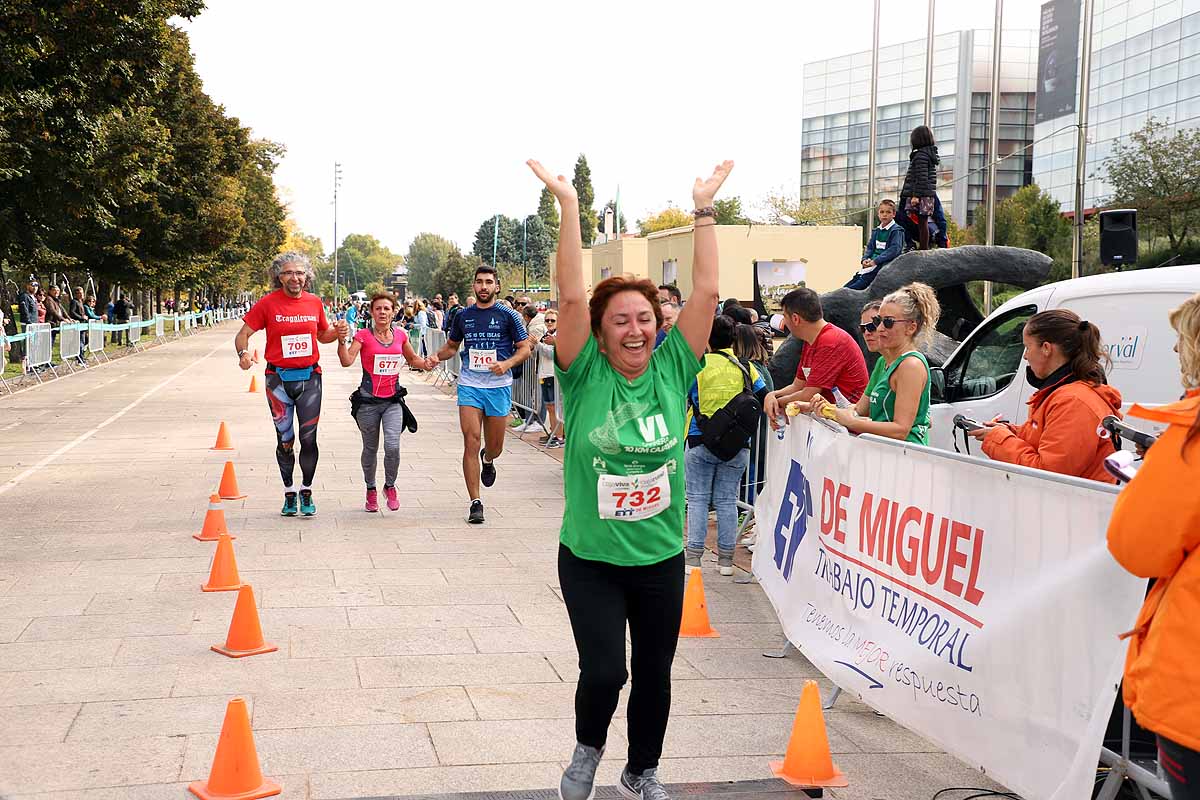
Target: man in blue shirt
[{"x": 496, "y": 341}]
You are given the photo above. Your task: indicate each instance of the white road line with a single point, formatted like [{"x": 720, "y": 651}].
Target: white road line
[{"x": 12, "y": 482}]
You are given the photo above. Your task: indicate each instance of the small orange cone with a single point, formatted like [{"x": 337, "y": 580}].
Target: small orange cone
[
  {"x": 214, "y": 522},
  {"x": 253, "y": 384},
  {"x": 229, "y": 488},
  {"x": 235, "y": 772},
  {"x": 223, "y": 440},
  {"x": 245, "y": 634},
  {"x": 255, "y": 358},
  {"x": 695, "y": 622},
  {"x": 223, "y": 577},
  {"x": 807, "y": 761}
]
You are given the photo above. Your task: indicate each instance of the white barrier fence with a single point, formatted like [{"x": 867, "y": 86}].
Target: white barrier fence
[
  {"x": 972, "y": 602},
  {"x": 69, "y": 342},
  {"x": 40, "y": 349}
]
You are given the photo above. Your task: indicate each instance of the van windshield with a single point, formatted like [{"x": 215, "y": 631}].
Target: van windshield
[{"x": 990, "y": 361}]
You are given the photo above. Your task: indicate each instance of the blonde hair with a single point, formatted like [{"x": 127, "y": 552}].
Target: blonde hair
[
  {"x": 920, "y": 304},
  {"x": 1186, "y": 322}
]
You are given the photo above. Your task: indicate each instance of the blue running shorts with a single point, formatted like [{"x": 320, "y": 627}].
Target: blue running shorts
[{"x": 495, "y": 401}]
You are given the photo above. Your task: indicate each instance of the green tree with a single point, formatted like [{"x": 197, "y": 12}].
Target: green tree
[
  {"x": 456, "y": 274},
  {"x": 426, "y": 253},
  {"x": 548, "y": 211},
  {"x": 729, "y": 212},
  {"x": 670, "y": 217},
  {"x": 542, "y": 242},
  {"x": 295, "y": 240},
  {"x": 582, "y": 181},
  {"x": 1031, "y": 219},
  {"x": 365, "y": 257},
  {"x": 1158, "y": 173},
  {"x": 507, "y": 245},
  {"x": 784, "y": 208}
]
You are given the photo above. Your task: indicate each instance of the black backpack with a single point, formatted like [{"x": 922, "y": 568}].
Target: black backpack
[{"x": 730, "y": 427}]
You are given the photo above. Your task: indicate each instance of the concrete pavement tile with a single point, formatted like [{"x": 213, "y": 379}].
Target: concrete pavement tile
[
  {"x": 28, "y": 656},
  {"x": 32, "y": 724},
  {"x": 743, "y": 635},
  {"x": 908, "y": 776},
  {"x": 87, "y": 684},
  {"x": 278, "y": 621},
  {"x": 469, "y": 595},
  {"x": 737, "y": 735},
  {"x": 32, "y": 564},
  {"x": 695, "y": 770},
  {"x": 544, "y": 614},
  {"x": 112, "y": 567},
  {"x": 313, "y": 560},
  {"x": 347, "y": 548},
  {"x": 311, "y": 598},
  {"x": 335, "y": 707},
  {"x": 434, "y": 780},
  {"x": 81, "y": 765},
  {"x": 79, "y": 584},
  {"x": 162, "y": 716},
  {"x": 350, "y": 747},
  {"x": 502, "y": 741},
  {"x": 295, "y": 787},
  {"x": 524, "y": 701},
  {"x": 531, "y": 558},
  {"x": 462, "y": 546},
  {"x": 379, "y": 642},
  {"x": 436, "y": 560},
  {"x": 455, "y": 670},
  {"x": 735, "y": 663},
  {"x": 519, "y": 639},
  {"x": 754, "y": 696},
  {"x": 388, "y": 577},
  {"x": 12, "y": 629},
  {"x": 261, "y": 580},
  {"x": 189, "y": 650},
  {"x": 265, "y": 673},
  {"x": 429, "y": 616},
  {"x": 485, "y": 576},
  {"x": 44, "y": 605},
  {"x": 875, "y": 734},
  {"x": 162, "y": 602},
  {"x": 566, "y": 665}
]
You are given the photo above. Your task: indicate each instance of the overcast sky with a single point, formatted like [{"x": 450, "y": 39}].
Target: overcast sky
[{"x": 433, "y": 107}]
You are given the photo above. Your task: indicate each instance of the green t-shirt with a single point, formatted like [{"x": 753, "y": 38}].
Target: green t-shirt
[
  {"x": 615, "y": 428},
  {"x": 883, "y": 399}
]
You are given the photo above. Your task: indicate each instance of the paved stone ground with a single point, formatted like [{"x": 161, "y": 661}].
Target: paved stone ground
[{"x": 417, "y": 654}]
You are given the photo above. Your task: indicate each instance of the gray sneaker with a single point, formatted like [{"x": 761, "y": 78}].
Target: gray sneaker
[
  {"x": 691, "y": 557},
  {"x": 579, "y": 778},
  {"x": 642, "y": 787},
  {"x": 725, "y": 562}
]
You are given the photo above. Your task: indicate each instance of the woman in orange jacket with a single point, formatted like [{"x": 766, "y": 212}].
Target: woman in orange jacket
[
  {"x": 1155, "y": 533},
  {"x": 1064, "y": 357}
]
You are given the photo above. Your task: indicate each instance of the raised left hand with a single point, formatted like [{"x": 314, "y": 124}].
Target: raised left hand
[{"x": 704, "y": 191}]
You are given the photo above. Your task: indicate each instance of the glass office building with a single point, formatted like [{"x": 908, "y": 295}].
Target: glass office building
[
  {"x": 1145, "y": 63},
  {"x": 835, "y": 127}
]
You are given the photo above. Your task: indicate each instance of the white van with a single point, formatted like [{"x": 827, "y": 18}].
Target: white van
[{"x": 985, "y": 376}]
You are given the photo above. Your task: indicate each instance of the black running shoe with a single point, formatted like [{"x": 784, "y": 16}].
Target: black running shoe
[
  {"x": 487, "y": 473},
  {"x": 475, "y": 517}
]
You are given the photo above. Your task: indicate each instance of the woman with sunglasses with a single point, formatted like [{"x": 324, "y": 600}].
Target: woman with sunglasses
[
  {"x": 896, "y": 403},
  {"x": 545, "y": 350}
]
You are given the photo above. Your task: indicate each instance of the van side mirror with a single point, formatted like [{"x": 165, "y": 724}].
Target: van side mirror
[{"x": 937, "y": 385}]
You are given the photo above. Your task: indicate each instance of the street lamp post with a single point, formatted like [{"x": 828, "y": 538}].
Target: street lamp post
[{"x": 337, "y": 181}]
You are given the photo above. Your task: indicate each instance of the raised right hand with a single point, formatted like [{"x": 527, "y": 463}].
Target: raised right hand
[{"x": 559, "y": 186}]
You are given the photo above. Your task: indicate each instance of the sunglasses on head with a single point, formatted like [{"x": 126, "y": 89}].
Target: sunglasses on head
[{"x": 876, "y": 321}]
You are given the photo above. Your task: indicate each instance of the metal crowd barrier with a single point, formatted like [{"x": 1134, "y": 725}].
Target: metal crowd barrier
[
  {"x": 70, "y": 345},
  {"x": 41, "y": 347},
  {"x": 95, "y": 342},
  {"x": 135, "y": 331},
  {"x": 5, "y": 351}
]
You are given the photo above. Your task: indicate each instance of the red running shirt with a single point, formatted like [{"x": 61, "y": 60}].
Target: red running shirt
[
  {"x": 292, "y": 325},
  {"x": 834, "y": 360}
]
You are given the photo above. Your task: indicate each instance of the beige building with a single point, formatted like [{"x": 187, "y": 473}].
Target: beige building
[{"x": 785, "y": 256}]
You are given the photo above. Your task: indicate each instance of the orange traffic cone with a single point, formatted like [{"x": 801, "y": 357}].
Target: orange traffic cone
[
  {"x": 214, "y": 522},
  {"x": 245, "y": 634},
  {"x": 807, "y": 761},
  {"x": 695, "y": 622},
  {"x": 253, "y": 384},
  {"x": 255, "y": 358},
  {"x": 223, "y": 440},
  {"x": 229, "y": 488},
  {"x": 235, "y": 771},
  {"x": 223, "y": 577}
]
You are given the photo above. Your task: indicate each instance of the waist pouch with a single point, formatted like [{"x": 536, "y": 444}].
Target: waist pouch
[
  {"x": 357, "y": 401},
  {"x": 294, "y": 374}
]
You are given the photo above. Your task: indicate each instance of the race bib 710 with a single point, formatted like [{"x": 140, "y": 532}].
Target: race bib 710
[{"x": 482, "y": 360}]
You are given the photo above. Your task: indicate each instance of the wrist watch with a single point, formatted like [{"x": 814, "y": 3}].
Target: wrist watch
[{"x": 242, "y": 353}]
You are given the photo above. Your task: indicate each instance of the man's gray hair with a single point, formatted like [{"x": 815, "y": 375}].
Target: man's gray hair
[{"x": 291, "y": 257}]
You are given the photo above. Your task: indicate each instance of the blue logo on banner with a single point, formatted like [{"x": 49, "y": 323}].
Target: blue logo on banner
[{"x": 792, "y": 522}]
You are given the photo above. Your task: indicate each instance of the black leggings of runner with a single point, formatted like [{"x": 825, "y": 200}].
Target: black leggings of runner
[
  {"x": 295, "y": 405},
  {"x": 600, "y": 599},
  {"x": 1182, "y": 767}
]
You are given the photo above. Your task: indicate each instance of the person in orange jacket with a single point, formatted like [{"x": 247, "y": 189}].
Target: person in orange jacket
[
  {"x": 1064, "y": 357},
  {"x": 1154, "y": 532}
]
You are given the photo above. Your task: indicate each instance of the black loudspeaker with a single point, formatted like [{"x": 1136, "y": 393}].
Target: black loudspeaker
[{"x": 1118, "y": 237}]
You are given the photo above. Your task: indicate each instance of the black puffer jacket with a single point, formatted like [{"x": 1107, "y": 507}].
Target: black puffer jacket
[{"x": 921, "y": 178}]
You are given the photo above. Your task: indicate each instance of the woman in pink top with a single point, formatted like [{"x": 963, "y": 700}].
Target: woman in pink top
[{"x": 377, "y": 403}]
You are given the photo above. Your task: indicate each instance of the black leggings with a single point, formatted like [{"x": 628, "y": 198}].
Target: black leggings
[
  {"x": 295, "y": 404},
  {"x": 600, "y": 598},
  {"x": 1182, "y": 767}
]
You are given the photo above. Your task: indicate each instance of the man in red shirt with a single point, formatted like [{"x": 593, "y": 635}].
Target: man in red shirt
[
  {"x": 830, "y": 362},
  {"x": 295, "y": 322}
]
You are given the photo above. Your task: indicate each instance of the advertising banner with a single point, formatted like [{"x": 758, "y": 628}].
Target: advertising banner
[
  {"x": 974, "y": 603},
  {"x": 773, "y": 280},
  {"x": 1058, "y": 59}
]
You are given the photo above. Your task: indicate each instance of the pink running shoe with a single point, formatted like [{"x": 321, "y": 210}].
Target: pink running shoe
[
  {"x": 372, "y": 500},
  {"x": 393, "y": 502}
]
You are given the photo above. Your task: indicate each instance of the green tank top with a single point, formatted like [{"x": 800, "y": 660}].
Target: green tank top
[{"x": 883, "y": 399}]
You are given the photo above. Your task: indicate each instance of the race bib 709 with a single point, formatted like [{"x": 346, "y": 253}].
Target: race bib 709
[{"x": 296, "y": 345}]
